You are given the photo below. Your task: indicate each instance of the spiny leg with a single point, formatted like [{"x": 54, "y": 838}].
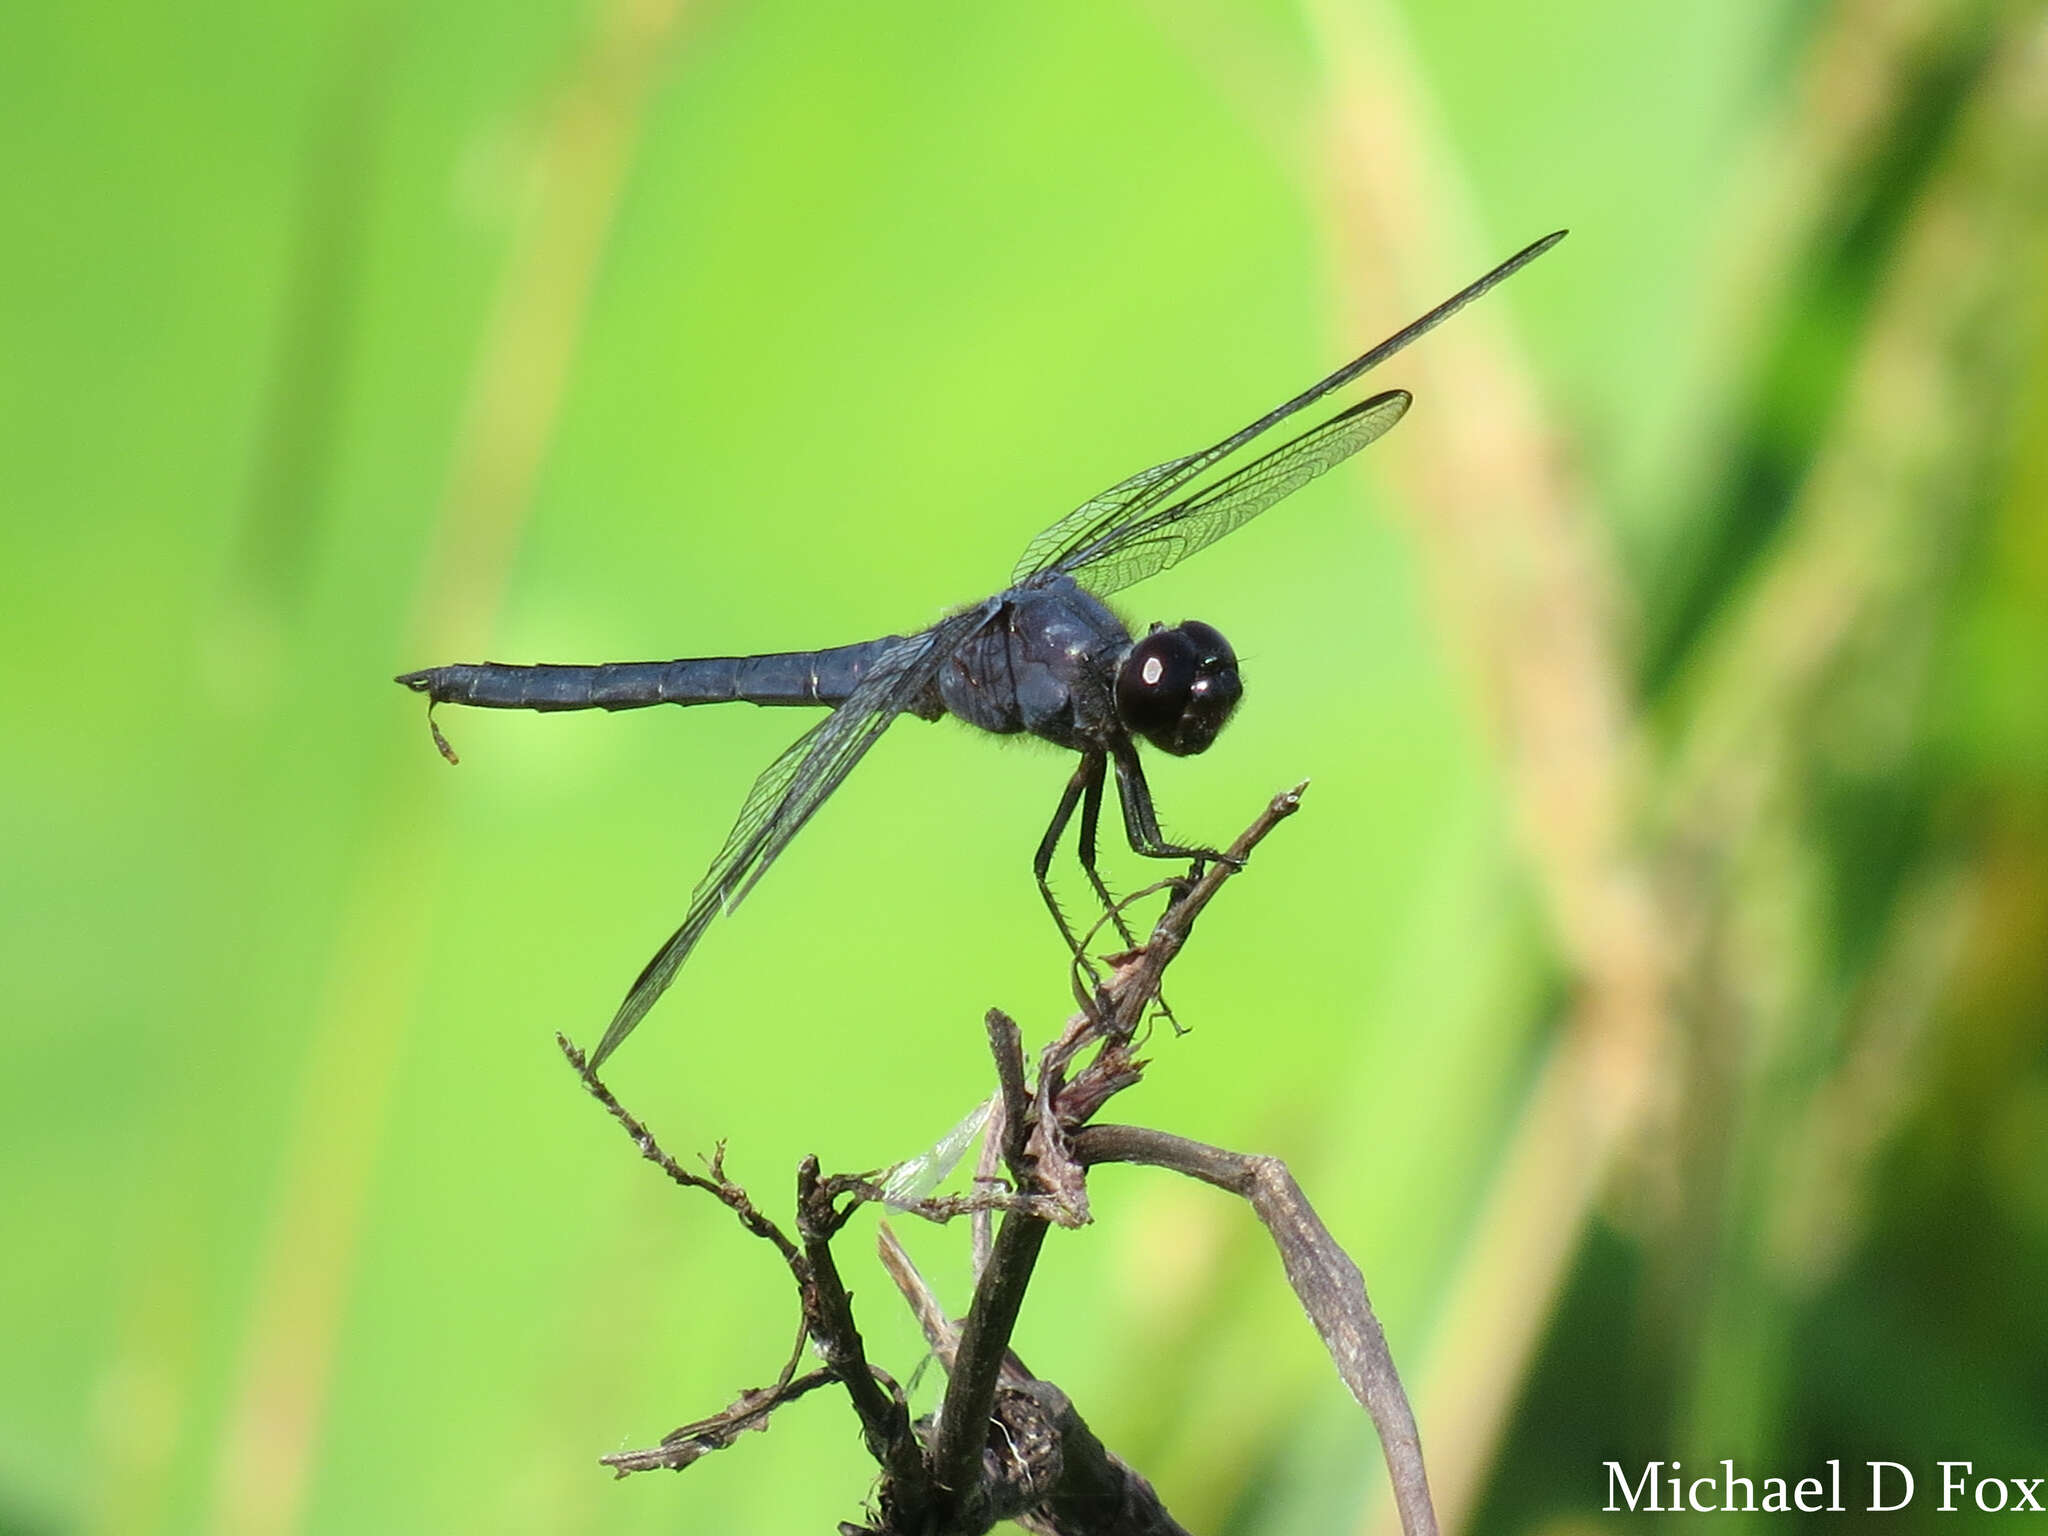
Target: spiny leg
[
  {"x": 1085, "y": 787},
  {"x": 1091, "y": 818},
  {"x": 1141, "y": 821},
  {"x": 1089, "y": 771}
]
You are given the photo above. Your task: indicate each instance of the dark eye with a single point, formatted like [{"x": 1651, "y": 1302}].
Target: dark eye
[
  {"x": 1212, "y": 651},
  {"x": 1153, "y": 685},
  {"x": 1177, "y": 687}
]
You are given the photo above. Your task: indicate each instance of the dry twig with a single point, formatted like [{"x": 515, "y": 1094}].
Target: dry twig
[{"x": 1005, "y": 1444}]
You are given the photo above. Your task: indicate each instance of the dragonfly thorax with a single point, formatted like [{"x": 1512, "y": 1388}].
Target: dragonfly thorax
[{"x": 1177, "y": 687}]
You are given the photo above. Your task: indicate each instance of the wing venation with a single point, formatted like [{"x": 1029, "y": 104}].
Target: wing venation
[
  {"x": 1168, "y": 536},
  {"x": 1131, "y": 509}
]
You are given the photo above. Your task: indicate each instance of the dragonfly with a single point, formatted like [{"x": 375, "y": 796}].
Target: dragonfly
[{"x": 1044, "y": 656}]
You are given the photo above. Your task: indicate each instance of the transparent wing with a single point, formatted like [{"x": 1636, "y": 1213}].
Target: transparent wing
[
  {"x": 1148, "y": 545},
  {"x": 1093, "y": 527},
  {"x": 1089, "y": 521},
  {"x": 787, "y": 795},
  {"x": 914, "y": 1178}
]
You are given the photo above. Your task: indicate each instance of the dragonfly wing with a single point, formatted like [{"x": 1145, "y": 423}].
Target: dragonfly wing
[
  {"x": 786, "y": 796},
  {"x": 1087, "y": 523},
  {"x": 1169, "y": 535},
  {"x": 1101, "y": 521},
  {"x": 914, "y": 1178}
]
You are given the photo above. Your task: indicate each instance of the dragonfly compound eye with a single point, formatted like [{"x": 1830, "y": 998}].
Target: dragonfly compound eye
[{"x": 1177, "y": 687}]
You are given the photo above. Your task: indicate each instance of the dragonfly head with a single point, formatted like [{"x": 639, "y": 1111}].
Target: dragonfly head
[{"x": 1177, "y": 687}]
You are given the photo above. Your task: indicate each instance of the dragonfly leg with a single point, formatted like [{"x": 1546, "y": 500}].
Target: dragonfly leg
[
  {"x": 1141, "y": 821},
  {"x": 1041, "y": 865},
  {"x": 1091, "y": 818},
  {"x": 1083, "y": 789}
]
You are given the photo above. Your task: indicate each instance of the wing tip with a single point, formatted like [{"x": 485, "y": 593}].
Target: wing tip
[
  {"x": 640, "y": 998},
  {"x": 1520, "y": 259},
  {"x": 615, "y": 1033}
]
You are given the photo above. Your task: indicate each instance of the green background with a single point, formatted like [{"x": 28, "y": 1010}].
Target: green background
[{"x": 1652, "y": 992}]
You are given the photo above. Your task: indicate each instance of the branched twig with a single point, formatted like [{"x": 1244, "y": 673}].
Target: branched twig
[
  {"x": 713, "y": 1182},
  {"x": 940, "y": 1209},
  {"x": 827, "y": 1315},
  {"x": 680, "y": 1447},
  {"x": 1006, "y": 1445},
  {"x": 971, "y": 1385},
  {"x": 828, "y": 1309},
  {"x": 1328, "y": 1283},
  {"x": 1137, "y": 982}
]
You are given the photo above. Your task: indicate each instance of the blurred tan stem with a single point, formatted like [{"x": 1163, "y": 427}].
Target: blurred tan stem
[
  {"x": 366, "y": 1000},
  {"x": 1520, "y": 569}
]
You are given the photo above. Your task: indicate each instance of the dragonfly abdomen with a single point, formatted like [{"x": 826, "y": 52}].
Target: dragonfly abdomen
[{"x": 784, "y": 677}]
